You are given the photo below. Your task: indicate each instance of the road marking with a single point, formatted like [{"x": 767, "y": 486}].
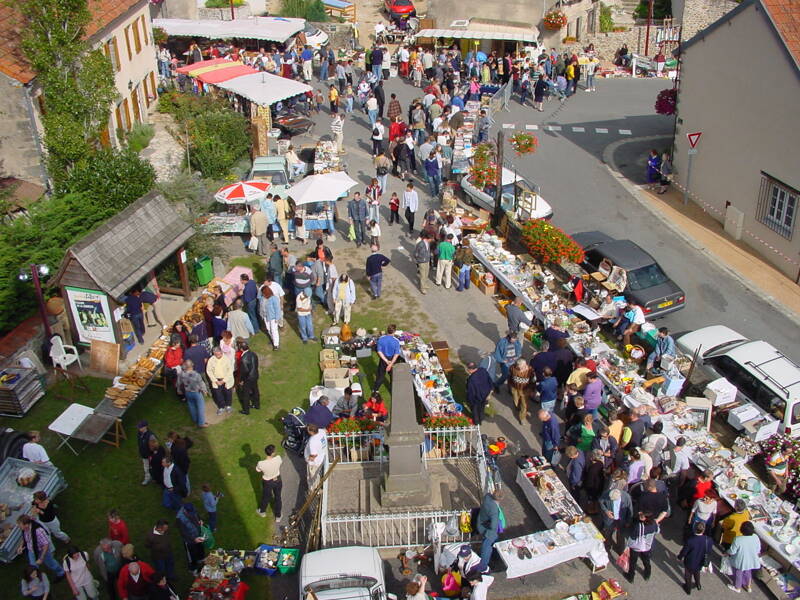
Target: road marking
[
  {"x": 531, "y": 127},
  {"x": 625, "y": 132},
  {"x": 553, "y": 127},
  {"x": 508, "y": 126},
  {"x": 578, "y": 129},
  {"x": 600, "y": 130}
]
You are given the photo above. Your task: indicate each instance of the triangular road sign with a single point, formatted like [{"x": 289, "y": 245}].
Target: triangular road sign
[{"x": 693, "y": 138}]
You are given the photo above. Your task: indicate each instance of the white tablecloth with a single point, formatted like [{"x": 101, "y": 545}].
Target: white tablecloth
[
  {"x": 71, "y": 419},
  {"x": 535, "y": 500}
]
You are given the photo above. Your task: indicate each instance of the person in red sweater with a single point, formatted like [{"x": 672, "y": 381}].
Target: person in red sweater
[
  {"x": 375, "y": 407},
  {"x": 134, "y": 581},
  {"x": 703, "y": 486},
  {"x": 398, "y": 129},
  {"x": 173, "y": 359},
  {"x": 117, "y": 528}
]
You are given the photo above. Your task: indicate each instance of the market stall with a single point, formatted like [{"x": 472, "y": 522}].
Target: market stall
[
  {"x": 271, "y": 29},
  {"x": 315, "y": 197},
  {"x": 430, "y": 379},
  {"x": 548, "y": 496}
]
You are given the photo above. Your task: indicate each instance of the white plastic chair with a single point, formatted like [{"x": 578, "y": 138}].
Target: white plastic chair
[{"x": 63, "y": 355}]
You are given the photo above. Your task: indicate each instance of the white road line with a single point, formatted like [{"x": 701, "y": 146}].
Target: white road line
[
  {"x": 508, "y": 126},
  {"x": 625, "y": 132},
  {"x": 600, "y": 130},
  {"x": 531, "y": 127},
  {"x": 578, "y": 129},
  {"x": 553, "y": 127}
]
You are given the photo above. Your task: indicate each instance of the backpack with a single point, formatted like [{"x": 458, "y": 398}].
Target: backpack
[
  {"x": 68, "y": 562},
  {"x": 376, "y": 132},
  {"x": 382, "y": 170}
]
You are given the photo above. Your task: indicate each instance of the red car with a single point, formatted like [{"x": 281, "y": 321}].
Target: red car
[{"x": 400, "y": 9}]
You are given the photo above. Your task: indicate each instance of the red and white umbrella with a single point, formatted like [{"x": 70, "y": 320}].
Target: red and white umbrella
[{"x": 242, "y": 192}]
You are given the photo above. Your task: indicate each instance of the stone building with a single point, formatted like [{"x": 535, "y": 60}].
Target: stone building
[
  {"x": 122, "y": 29},
  {"x": 740, "y": 87}
]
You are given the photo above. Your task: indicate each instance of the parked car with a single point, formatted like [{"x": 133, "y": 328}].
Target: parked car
[
  {"x": 272, "y": 169},
  {"x": 351, "y": 573},
  {"x": 518, "y": 194},
  {"x": 400, "y": 9},
  {"x": 648, "y": 285},
  {"x": 761, "y": 373}
]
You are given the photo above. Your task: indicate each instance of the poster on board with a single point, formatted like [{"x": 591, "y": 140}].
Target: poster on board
[{"x": 91, "y": 314}]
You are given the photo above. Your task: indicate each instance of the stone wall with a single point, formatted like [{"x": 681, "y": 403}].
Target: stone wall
[
  {"x": 19, "y": 155},
  {"x": 339, "y": 34},
  {"x": 605, "y": 44},
  {"x": 223, "y": 14},
  {"x": 174, "y": 9},
  {"x": 696, "y": 15}
]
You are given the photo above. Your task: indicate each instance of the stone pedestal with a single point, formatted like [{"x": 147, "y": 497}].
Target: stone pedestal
[{"x": 407, "y": 483}]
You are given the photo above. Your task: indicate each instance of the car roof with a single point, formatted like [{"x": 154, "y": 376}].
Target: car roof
[
  {"x": 623, "y": 253},
  {"x": 767, "y": 362},
  {"x": 332, "y": 562},
  {"x": 266, "y": 161},
  {"x": 710, "y": 338}
]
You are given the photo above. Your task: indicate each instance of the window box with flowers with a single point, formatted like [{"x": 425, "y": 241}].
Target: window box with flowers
[{"x": 555, "y": 20}]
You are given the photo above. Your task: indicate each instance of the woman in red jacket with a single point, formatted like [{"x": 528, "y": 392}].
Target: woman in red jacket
[{"x": 173, "y": 358}]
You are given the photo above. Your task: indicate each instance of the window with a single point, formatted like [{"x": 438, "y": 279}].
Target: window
[
  {"x": 128, "y": 41},
  {"x": 796, "y": 413},
  {"x": 112, "y": 52},
  {"x": 646, "y": 277},
  {"x": 137, "y": 41},
  {"x": 777, "y": 206}
]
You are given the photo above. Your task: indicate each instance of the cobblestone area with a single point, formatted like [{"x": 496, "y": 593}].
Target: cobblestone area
[{"x": 164, "y": 152}]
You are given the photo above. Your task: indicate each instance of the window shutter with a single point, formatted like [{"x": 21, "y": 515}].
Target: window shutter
[{"x": 128, "y": 41}]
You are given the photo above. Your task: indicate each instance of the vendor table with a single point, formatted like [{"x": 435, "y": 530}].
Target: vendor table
[
  {"x": 226, "y": 224},
  {"x": 581, "y": 540},
  {"x": 430, "y": 381},
  {"x": 68, "y": 422},
  {"x": 558, "y": 504}
]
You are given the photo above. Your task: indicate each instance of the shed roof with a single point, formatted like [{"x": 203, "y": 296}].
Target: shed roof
[
  {"x": 12, "y": 60},
  {"x": 120, "y": 252},
  {"x": 782, "y": 15}
]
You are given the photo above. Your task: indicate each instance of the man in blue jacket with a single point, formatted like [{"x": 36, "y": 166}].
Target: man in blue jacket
[
  {"x": 488, "y": 522},
  {"x": 506, "y": 353},
  {"x": 357, "y": 213},
  {"x": 551, "y": 434},
  {"x": 250, "y": 299},
  {"x": 479, "y": 386}
]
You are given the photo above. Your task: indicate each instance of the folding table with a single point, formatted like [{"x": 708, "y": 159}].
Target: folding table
[{"x": 69, "y": 422}]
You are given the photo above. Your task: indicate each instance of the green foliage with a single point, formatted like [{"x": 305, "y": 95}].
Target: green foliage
[
  {"x": 139, "y": 137},
  {"x": 188, "y": 106},
  {"x": 661, "y": 9},
  {"x": 312, "y": 10},
  {"x": 77, "y": 82},
  {"x": 115, "y": 178},
  {"x": 606, "y": 22},
  {"x": 159, "y": 36},
  {"x": 223, "y": 3},
  {"x": 53, "y": 226},
  {"x": 216, "y": 141}
]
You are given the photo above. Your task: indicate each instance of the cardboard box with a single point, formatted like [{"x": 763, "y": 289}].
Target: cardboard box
[
  {"x": 336, "y": 378},
  {"x": 328, "y": 355},
  {"x": 489, "y": 290},
  {"x": 328, "y": 364}
]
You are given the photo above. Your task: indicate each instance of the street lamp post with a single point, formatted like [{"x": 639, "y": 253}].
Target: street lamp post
[{"x": 36, "y": 272}]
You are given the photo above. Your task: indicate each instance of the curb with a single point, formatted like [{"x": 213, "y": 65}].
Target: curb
[{"x": 633, "y": 190}]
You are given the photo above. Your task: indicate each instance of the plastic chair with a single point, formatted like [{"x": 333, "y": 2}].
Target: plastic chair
[{"x": 63, "y": 355}]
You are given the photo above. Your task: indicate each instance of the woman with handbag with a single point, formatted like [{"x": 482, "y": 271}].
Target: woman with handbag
[
  {"x": 695, "y": 556},
  {"x": 743, "y": 557},
  {"x": 373, "y": 195},
  {"x": 639, "y": 543}
]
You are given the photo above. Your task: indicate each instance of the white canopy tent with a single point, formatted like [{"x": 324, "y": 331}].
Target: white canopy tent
[
  {"x": 264, "y": 89},
  {"x": 513, "y": 36},
  {"x": 273, "y": 29}
]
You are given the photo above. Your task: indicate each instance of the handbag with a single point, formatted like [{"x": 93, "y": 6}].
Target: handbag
[
  {"x": 555, "y": 460},
  {"x": 624, "y": 560},
  {"x": 725, "y": 565},
  {"x": 253, "y": 244},
  {"x": 351, "y": 234},
  {"x": 298, "y": 221},
  {"x": 208, "y": 537}
]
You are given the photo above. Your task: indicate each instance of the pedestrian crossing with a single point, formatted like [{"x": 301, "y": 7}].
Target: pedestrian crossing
[{"x": 571, "y": 128}]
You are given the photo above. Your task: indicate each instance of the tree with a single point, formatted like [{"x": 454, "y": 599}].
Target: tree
[
  {"x": 77, "y": 82},
  {"x": 112, "y": 177},
  {"x": 606, "y": 20}
]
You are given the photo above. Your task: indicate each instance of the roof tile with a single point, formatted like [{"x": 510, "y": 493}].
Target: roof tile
[
  {"x": 12, "y": 61},
  {"x": 785, "y": 14}
]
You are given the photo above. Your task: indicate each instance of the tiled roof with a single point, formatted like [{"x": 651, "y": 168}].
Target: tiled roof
[
  {"x": 12, "y": 60},
  {"x": 122, "y": 250},
  {"x": 785, "y": 15}
]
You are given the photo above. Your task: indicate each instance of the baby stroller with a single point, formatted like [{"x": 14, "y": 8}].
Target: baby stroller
[{"x": 295, "y": 435}]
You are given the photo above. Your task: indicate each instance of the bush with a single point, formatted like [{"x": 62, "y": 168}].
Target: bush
[
  {"x": 139, "y": 137},
  {"x": 661, "y": 9},
  {"x": 223, "y": 3},
  {"x": 113, "y": 178},
  {"x": 312, "y": 10},
  {"x": 606, "y": 22},
  {"x": 216, "y": 141},
  {"x": 188, "y": 106},
  {"x": 667, "y": 101}
]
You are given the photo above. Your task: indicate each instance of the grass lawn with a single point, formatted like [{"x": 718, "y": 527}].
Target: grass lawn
[{"x": 102, "y": 477}]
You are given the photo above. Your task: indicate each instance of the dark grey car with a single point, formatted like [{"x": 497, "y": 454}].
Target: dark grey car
[{"x": 648, "y": 285}]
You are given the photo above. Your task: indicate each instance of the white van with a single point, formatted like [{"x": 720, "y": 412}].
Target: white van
[
  {"x": 761, "y": 373},
  {"x": 350, "y": 573}
]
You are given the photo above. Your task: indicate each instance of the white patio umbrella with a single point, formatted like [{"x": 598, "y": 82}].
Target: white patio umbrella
[{"x": 325, "y": 187}]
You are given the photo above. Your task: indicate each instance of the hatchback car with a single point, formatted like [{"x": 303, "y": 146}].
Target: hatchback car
[
  {"x": 400, "y": 9},
  {"x": 648, "y": 285}
]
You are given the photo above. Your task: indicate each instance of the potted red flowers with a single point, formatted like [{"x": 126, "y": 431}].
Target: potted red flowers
[
  {"x": 524, "y": 143},
  {"x": 554, "y": 20},
  {"x": 550, "y": 244}
]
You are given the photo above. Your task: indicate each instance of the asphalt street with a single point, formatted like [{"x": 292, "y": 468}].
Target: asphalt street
[{"x": 585, "y": 195}]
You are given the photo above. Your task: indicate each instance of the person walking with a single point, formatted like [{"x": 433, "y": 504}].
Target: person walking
[
  {"x": 134, "y": 581},
  {"x": 210, "y": 501},
  {"x": 160, "y": 546},
  {"x": 547, "y": 386},
  {"x": 247, "y": 384},
  {"x": 143, "y": 437},
  {"x": 539, "y": 91},
  {"x": 305, "y": 322},
  {"x": 344, "y": 293},
  {"x": 357, "y": 215},
  {"x": 488, "y": 522},
  {"x": 550, "y": 434},
  {"x": 374, "y": 269},
  {"x": 422, "y": 258},
  {"x": 79, "y": 576},
  {"x": 744, "y": 557},
  {"x": 520, "y": 382},
  {"x": 373, "y": 195},
  {"x": 191, "y": 530},
  {"x": 271, "y": 484},
  {"x": 37, "y": 546},
  {"x": 45, "y": 510},
  {"x": 35, "y": 584},
  {"x": 337, "y": 128},
  {"x": 378, "y": 135},
  {"x": 434, "y": 173},
  {"x": 695, "y": 555},
  {"x": 410, "y": 204},
  {"x": 616, "y": 511},
  {"x": 639, "y": 539},
  {"x": 108, "y": 559},
  {"x": 192, "y": 385},
  {"x": 383, "y": 165},
  {"x": 479, "y": 386},
  {"x": 506, "y": 353},
  {"x": 135, "y": 313},
  {"x": 388, "y": 349},
  {"x": 269, "y": 307}
]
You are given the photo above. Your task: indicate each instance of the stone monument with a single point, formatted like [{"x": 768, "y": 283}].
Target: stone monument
[{"x": 407, "y": 483}]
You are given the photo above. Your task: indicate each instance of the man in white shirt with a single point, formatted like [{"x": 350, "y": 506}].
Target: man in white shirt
[
  {"x": 410, "y": 203},
  {"x": 316, "y": 447},
  {"x": 33, "y": 451},
  {"x": 680, "y": 465},
  {"x": 480, "y": 585},
  {"x": 629, "y": 322},
  {"x": 337, "y": 128},
  {"x": 271, "y": 484},
  {"x": 297, "y": 166}
]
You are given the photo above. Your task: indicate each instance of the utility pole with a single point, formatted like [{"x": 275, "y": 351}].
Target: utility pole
[
  {"x": 497, "y": 216},
  {"x": 647, "y": 33},
  {"x": 233, "y": 12}
]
